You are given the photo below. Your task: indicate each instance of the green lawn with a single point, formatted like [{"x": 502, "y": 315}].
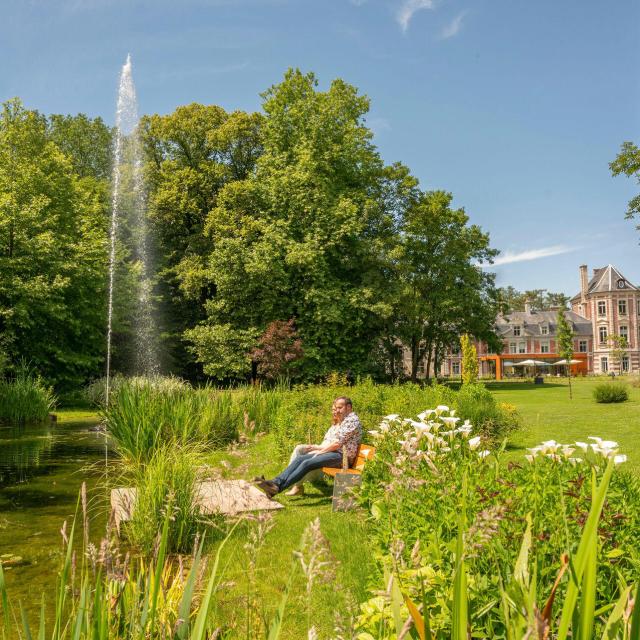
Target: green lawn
[{"x": 548, "y": 413}]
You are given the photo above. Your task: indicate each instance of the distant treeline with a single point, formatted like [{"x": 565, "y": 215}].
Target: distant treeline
[{"x": 283, "y": 244}]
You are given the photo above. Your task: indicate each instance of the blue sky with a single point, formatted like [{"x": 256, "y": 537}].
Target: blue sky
[{"x": 514, "y": 106}]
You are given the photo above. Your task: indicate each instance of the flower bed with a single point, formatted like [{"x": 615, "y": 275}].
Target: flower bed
[{"x": 440, "y": 499}]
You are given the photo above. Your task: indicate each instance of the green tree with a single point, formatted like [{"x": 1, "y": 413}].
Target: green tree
[
  {"x": 469, "y": 360},
  {"x": 540, "y": 299},
  {"x": 627, "y": 162},
  {"x": 191, "y": 154},
  {"x": 618, "y": 346},
  {"x": 52, "y": 253},
  {"x": 441, "y": 293},
  {"x": 305, "y": 234},
  {"x": 564, "y": 339}
]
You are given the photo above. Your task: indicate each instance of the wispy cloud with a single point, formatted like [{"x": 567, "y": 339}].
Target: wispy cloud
[
  {"x": 453, "y": 28},
  {"x": 408, "y": 9},
  {"x": 378, "y": 125},
  {"x": 509, "y": 257}
]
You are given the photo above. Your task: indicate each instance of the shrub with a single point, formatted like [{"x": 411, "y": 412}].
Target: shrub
[
  {"x": 25, "y": 398},
  {"x": 608, "y": 392},
  {"x": 433, "y": 490}
]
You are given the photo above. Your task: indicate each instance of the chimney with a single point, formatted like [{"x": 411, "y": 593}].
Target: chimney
[
  {"x": 527, "y": 306},
  {"x": 584, "y": 283}
]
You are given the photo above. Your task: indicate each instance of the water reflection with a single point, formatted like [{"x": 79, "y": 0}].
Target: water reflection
[{"x": 41, "y": 471}]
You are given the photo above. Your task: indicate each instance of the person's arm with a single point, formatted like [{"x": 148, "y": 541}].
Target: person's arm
[{"x": 333, "y": 446}]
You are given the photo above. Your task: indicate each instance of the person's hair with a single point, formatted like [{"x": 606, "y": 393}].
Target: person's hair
[{"x": 347, "y": 401}]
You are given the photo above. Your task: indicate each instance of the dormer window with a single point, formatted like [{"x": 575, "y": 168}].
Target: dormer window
[
  {"x": 516, "y": 330},
  {"x": 544, "y": 329}
]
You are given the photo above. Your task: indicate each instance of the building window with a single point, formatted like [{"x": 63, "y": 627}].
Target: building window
[
  {"x": 604, "y": 365},
  {"x": 516, "y": 330},
  {"x": 512, "y": 347},
  {"x": 624, "y": 332},
  {"x": 602, "y": 333},
  {"x": 622, "y": 307},
  {"x": 544, "y": 330},
  {"x": 602, "y": 308},
  {"x": 455, "y": 350},
  {"x": 522, "y": 347},
  {"x": 582, "y": 346},
  {"x": 544, "y": 347},
  {"x": 455, "y": 367},
  {"x": 625, "y": 363}
]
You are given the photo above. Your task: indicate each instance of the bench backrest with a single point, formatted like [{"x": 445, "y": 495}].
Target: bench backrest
[{"x": 365, "y": 452}]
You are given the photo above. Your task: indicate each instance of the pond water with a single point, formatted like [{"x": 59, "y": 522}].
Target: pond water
[{"x": 41, "y": 471}]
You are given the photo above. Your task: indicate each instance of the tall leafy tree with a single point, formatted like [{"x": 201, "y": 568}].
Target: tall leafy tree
[
  {"x": 52, "y": 253},
  {"x": 191, "y": 155},
  {"x": 441, "y": 291},
  {"x": 564, "y": 338},
  {"x": 627, "y": 162},
  {"x": 306, "y": 234}
]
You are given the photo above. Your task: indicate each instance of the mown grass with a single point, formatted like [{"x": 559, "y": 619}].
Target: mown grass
[
  {"x": 548, "y": 413},
  {"x": 347, "y": 534}
]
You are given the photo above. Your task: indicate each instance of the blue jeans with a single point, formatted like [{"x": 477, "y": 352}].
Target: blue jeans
[{"x": 301, "y": 465}]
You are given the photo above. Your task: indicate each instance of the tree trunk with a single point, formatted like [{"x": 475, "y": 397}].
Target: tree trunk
[
  {"x": 429, "y": 353},
  {"x": 414, "y": 358}
]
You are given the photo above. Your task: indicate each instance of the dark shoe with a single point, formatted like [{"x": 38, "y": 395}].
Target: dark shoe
[
  {"x": 269, "y": 487},
  {"x": 258, "y": 479}
]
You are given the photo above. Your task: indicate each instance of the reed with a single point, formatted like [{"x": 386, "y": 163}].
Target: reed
[{"x": 25, "y": 397}]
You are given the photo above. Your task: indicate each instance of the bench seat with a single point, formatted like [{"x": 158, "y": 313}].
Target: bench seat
[{"x": 365, "y": 452}]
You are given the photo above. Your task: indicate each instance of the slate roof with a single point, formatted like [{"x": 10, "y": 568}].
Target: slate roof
[
  {"x": 531, "y": 321},
  {"x": 606, "y": 279}
]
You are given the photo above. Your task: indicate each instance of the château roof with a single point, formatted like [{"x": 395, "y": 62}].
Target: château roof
[
  {"x": 607, "y": 279},
  {"x": 531, "y": 321}
]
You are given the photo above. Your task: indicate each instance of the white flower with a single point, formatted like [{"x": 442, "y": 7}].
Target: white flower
[
  {"x": 535, "y": 450},
  {"x": 575, "y": 461},
  {"x": 582, "y": 445},
  {"x": 441, "y": 408},
  {"x": 426, "y": 414},
  {"x": 484, "y": 454},
  {"x": 530, "y": 457},
  {"x": 550, "y": 446},
  {"x": 391, "y": 417},
  {"x": 474, "y": 443},
  {"x": 375, "y": 434},
  {"x": 567, "y": 450},
  {"x": 450, "y": 422},
  {"x": 620, "y": 459},
  {"x": 604, "y": 444}
]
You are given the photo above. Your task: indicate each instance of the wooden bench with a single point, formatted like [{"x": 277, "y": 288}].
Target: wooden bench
[{"x": 365, "y": 452}]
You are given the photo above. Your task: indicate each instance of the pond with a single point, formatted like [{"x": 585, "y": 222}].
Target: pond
[{"x": 41, "y": 471}]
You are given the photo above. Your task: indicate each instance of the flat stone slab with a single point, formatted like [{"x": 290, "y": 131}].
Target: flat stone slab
[{"x": 228, "y": 497}]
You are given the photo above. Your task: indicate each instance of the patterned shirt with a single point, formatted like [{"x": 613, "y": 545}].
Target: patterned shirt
[{"x": 348, "y": 434}]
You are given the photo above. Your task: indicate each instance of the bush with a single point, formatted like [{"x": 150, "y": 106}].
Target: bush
[
  {"x": 433, "y": 487},
  {"x": 25, "y": 398},
  {"x": 608, "y": 392}
]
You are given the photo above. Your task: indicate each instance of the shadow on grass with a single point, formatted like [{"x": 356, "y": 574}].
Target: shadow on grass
[{"x": 522, "y": 386}]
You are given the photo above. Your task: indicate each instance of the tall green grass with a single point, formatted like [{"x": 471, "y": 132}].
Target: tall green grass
[
  {"x": 25, "y": 397},
  {"x": 167, "y": 485}
]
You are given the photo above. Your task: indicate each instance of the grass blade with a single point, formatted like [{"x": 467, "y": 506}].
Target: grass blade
[
  {"x": 184, "y": 611},
  {"x": 609, "y": 632},
  {"x": 588, "y": 602},
  {"x": 276, "y": 624},
  {"x": 200, "y": 627},
  {"x": 5, "y": 601},
  {"x": 580, "y": 560},
  {"x": 25, "y": 623},
  {"x": 635, "y": 617}
]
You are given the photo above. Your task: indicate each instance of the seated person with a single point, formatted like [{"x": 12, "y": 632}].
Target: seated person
[{"x": 346, "y": 431}]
